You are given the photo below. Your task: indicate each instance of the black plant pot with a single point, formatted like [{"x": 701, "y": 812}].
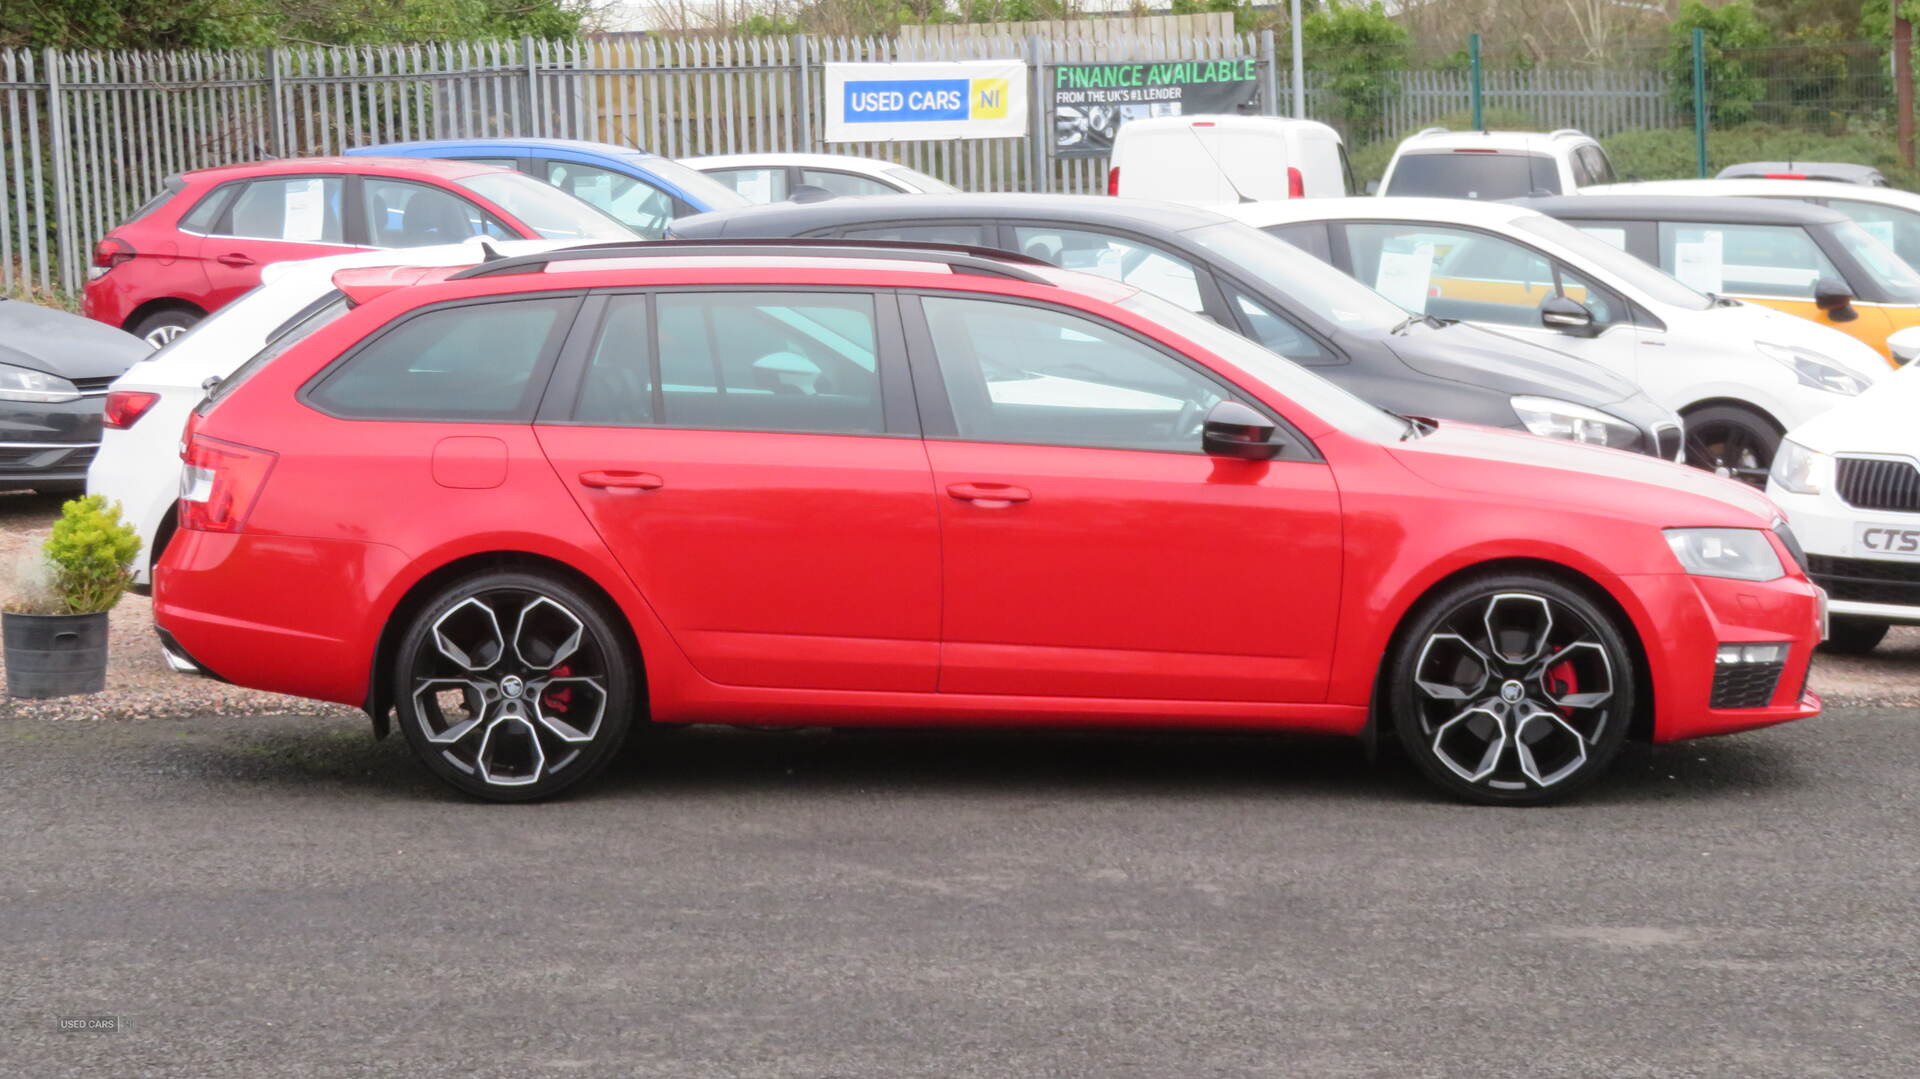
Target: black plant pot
[{"x": 55, "y": 655}]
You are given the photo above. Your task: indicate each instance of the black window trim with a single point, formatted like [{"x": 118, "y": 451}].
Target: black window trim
[
  {"x": 899, "y": 418},
  {"x": 936, "y": 409},
  {"x": 541, "y": 376}
]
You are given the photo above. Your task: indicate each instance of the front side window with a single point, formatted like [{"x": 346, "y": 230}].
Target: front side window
[
  {"x": 480, "y": 362},
  {"x": 844, "y": 184},
  {"x": 640, "y": 206},
  {"x": 1452, "y": 273},
  {"x": 755, "y": 185},
  {"x": 1141, "y": 265},
  {"x": 299, "y": 209},
  {"x": 1473, "y": 174},
  {"x": 1749, "y": 260},
  {"x": 1278, "y": 333},
  {"x": 1893, "y": 226},
  {"x": 1892, "y": 278},
  {"x": 737, "y": 361},
  {"x": 1022, "y": 374},
  {"x": 403, "y": 214}
]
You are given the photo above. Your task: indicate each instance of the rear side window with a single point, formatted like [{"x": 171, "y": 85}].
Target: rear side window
[
  {"x": 206, "y": 214},
  {"x": 297, "y": 209},
  {"x": 736, "y": 361},
  {"x": 755, "y": 185},
  {"x": 401, "y": 214},
  {"x": 173, "y": 186},
  {"x": 1470, "y": 175},
  {"x": 964, "y": 235},
  {"x": 480, "y": 362},
  {"x": 844, "y": 184}
]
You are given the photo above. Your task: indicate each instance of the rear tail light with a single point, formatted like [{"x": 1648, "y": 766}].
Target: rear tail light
[
  {"x": 109, "y": 253},
  {"x": 125, "y": 407},
  {"x": 1113, "y": 180},
  {"x": 220, "y": 483},
  {"x": 1296, "y": 184}
]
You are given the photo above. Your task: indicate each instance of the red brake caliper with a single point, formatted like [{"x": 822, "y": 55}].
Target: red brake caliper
[
  {"x": 1561, "y": 680},
  {"x": 557, "y": 700}
]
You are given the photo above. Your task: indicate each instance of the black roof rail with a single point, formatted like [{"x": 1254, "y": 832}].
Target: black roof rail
[{"x": 959, "y": 258}]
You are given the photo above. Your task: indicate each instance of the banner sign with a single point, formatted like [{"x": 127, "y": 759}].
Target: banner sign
[
  {"x": 909, "y": 102},
  {"x": 1091, "y": 101}
]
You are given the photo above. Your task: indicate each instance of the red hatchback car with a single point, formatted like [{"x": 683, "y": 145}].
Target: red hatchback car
[
  {"x": 204, "y": 239},
  {"x": 528, "y": 504}
]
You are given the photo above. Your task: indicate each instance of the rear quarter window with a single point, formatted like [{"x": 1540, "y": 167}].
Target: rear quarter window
[{"x": 476, "y": 362}]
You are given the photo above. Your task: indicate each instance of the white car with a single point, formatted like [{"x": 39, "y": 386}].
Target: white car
[
  {"x": 1739, "y": 374},
  {"x": 1849, "y": 482},
  {"x": 139, "y": 460},
  {"x": 1889, "y": 214},
  {"x": 771, "y": 177},
  {"x": 1438, "y": 163},
  {"x": 1203, "y": 160}
]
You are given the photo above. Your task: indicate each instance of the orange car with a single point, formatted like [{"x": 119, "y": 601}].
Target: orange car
[{"x": 1792, "y": 256}]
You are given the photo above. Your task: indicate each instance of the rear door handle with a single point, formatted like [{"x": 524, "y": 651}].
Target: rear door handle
[
  {"x": 990, "y": 495},
  {"x": 619, "y": 480},
  {"x": 234, "y": 259}
]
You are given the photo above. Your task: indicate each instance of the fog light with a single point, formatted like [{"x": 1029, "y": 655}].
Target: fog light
[{"x": 1750, "y": 653}]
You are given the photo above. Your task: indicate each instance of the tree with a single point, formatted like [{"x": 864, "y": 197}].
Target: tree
[
  {"x": 1359, "y": 49},
  {"x": 219, "y": 24},
  {"x": 1734, "y": 82}
]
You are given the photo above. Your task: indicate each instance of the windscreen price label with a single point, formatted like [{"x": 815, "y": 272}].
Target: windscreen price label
[{"x": 1880, "y": 541}]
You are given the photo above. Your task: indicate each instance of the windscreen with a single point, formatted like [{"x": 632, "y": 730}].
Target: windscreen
[
  {"x": 547, "y": 210},
  {"x": 704, "y": 189}
]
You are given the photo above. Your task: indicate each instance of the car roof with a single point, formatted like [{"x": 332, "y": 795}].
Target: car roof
[
  {"x": 1436, "y": 139},
  {"x": 401, "y": 149},
  {"x": 296, "y": 166},
  {"x": 1759, "y": 169},
  {"x": 1390, "y": 208},
  {"x": 1722, "y": 210},
  {"x": 792, "y": 217},
  {"x": 1755, "y": 186}
]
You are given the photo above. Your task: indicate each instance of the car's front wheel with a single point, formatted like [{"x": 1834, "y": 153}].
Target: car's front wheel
[
  {"x": 514, "y": 686},
  {"x": 1733, "y": 442},
  {"x": 1511, "y": 689}
]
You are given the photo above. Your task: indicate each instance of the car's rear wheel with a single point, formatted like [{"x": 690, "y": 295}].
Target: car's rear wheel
[
  {"x": 514, "y": 686},
  {"x": 1851, "y": 636},
  {"x": 1511, "y": 689},
  {"x": 163, "y": 326},
  {"x": 1731, "y": 441}
]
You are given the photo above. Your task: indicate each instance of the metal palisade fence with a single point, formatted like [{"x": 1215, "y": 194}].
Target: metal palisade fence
[{"x": 87, "y": 138}]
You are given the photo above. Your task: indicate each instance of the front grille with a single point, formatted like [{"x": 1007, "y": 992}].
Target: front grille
[
  {"x": 1744, "y": 685},
  {"x": 1872, "y": 483},
  {"x": 1867, "y": 580},
  {"x": 1667, "y": 439}
]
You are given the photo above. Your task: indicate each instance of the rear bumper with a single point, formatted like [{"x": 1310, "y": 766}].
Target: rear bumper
[{"x": 1685, "y": 620}]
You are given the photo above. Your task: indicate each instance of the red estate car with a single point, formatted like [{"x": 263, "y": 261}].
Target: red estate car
[
  {"x": 204, "y": 239},
  {"x": 528, "y": 504}
]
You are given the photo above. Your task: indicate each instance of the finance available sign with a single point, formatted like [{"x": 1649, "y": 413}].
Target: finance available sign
[
  {"x": 1091, "y": 101},
  {"x": 907, "y": 102}
]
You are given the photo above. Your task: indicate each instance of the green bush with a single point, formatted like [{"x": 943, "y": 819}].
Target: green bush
[
  {"x": 91, "y": 554},
  {"x": 1668, "y": 154},
  {"x": 1358, "y": 48},
  {"x": 1733, "y": 81}
]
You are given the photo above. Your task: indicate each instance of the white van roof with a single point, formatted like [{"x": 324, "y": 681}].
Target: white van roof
[{"x": 1224, "y": 121}]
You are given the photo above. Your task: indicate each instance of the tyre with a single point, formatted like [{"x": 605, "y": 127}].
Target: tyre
[
  {"x": 1511, "y": 689},
  {"x": 514, "y": 686},
  {"x": 1731, "y": 441},
  {"x": 1852, "y": 636},
  {"x": 163, "y": 326}
]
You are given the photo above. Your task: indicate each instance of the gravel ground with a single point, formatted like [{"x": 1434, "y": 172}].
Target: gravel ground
[{"x": 139, "y": 685}]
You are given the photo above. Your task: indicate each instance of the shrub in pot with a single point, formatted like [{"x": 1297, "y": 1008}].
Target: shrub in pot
[{"x": 55, "y": 625}]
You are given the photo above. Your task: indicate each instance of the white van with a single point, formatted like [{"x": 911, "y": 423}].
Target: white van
[{"x": 1204, "y": 160}]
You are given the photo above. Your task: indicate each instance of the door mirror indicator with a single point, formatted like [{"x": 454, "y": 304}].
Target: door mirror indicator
[
  {"x": 1830, "y": 294},
  {"x": 1567, "y": 315},
  {"x": 1234, "y": 430}
]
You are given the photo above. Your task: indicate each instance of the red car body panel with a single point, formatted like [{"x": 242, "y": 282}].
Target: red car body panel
[
  {"x": 792, "y": 578},
  {"x": 208, "y": 272}
]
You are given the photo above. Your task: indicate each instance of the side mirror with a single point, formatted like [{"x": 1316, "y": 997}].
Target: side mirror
[
  {"x": 1373, "y": 187},
  {"x": 1569, "y": 316},
  {"x": 1834, "y": 297},
  {"x": 1905, "y": 345},
  {"x": 1234, "y": 430}
]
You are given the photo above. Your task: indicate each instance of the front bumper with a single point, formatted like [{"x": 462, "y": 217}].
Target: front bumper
[
  {"x": 49, "y": 445},
  {"x": 1859, "y": 583}
]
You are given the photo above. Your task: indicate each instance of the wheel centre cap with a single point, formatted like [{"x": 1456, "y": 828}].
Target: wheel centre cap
[
  {"x": 511, "y": 686},
  {"x": 1511, "y": 691}
]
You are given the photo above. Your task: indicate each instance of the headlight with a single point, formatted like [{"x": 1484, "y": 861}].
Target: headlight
[
  {"x": 1564, "y": 419},
  {"x": 1813, "y": 369},
  {"x": 1799, "y": 469},
  {"x": 21, "y": 384},
  {"x": 1740, "y": 554}
]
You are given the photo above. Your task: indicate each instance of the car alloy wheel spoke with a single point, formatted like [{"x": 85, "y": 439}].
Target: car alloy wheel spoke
[
  {"x": 509, "y": 708},
  {"x": 1451, "y": 669},
  {"x": 1518, "y": 626}
]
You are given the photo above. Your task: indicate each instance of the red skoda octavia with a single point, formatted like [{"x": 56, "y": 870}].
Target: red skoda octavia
[{"x": 526, "y": 505}]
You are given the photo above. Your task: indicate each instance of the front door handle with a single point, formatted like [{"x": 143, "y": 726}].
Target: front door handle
[
  {"x": 234, "y": 259},
  {"x": 989, "y": 495},
  {"x": 620, "y": 480}
]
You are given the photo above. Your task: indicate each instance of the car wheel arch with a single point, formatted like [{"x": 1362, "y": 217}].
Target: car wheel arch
[
  {"x": 379, "y": 705},
  {"x": 1640, "y": 727},
  {"x": 1687, "y": 411},
  {"x": 154, "y": 307}
]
